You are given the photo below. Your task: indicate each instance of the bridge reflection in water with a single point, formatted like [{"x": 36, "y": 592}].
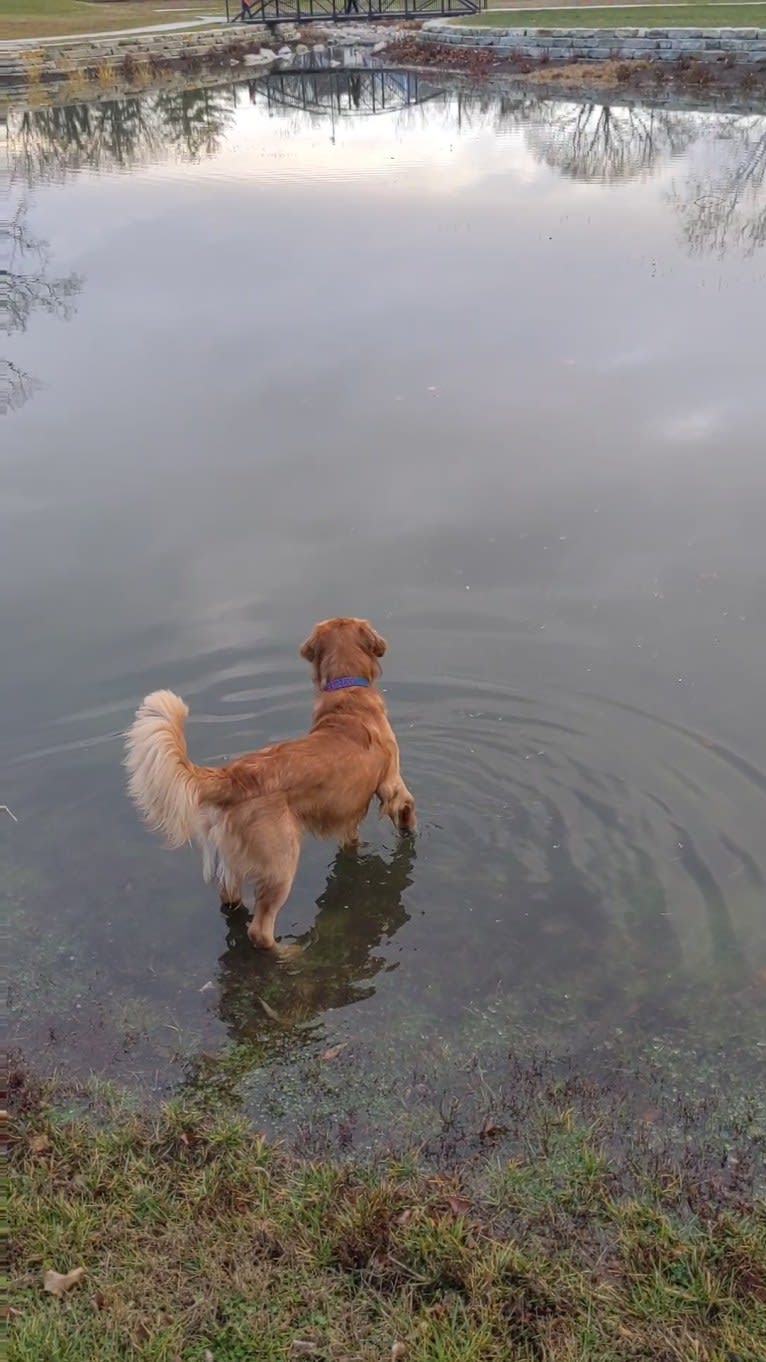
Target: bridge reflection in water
[{"x": 343, "y": 91}]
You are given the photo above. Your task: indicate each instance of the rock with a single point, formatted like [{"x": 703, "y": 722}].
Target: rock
[
  {"x": 284, "y": 53},
  {"x": 301, "y": 50}
]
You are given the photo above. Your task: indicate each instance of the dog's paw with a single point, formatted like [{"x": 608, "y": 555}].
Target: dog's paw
[{"x": 406, "y": 818}]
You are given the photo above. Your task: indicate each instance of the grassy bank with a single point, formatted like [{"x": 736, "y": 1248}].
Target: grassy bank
[
  {"x": 633, "y": 16},
  {"x": 56, "y": 18},
  {"x": 198, "y": 1239}
]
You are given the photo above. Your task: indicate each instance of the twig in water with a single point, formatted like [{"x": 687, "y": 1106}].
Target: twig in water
[{"x": 4, "y": 809}]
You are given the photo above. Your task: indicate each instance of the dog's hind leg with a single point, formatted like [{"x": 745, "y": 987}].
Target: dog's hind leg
[
  {"x": 274, "y": 879},
  {"x": 269, "y": 899},
  {"x": 230, "y": 891}
]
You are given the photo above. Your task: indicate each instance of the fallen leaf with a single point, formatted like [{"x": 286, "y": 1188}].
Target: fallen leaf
[
  {"x": 301, "y": 1347},
  {"x": 438, "y": 1310},
  {"x": 268, "y": 1009},
  {"x": 649, "y": 1115},
  {"x": 39, "y": 1144},
  {"x": 207, "y": 1356},
  {"x": 398, "y": 1350},
  {"x": 98, "y": 1301},
  {"x": 491, "y": 1130},
  {"x": 333, "y": 1051},
  {"x": 58, "y": 1283},
  {"x": 12, "y": 1313},
  {"x": 458, "y": 1205}
]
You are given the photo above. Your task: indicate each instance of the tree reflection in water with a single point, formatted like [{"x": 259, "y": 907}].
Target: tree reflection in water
[
  {"x": 603, "y": 144},
  {"x": 47, "y": 145},
  {"x": 721, "y": 207},
  {"x": 728, "y": 211},
  {"x": 28, "y": 287}
]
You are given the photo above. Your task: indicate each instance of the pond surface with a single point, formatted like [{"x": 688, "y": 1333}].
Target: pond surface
[{"x": 491, "y": 372}]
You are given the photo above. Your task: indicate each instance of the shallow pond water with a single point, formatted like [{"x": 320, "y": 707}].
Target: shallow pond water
[{"x": 491, "y": 372}]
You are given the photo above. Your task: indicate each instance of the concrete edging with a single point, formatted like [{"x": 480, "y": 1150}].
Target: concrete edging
[{"x": 601, "y": 44}]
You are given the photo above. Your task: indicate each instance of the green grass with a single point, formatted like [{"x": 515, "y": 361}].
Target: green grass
[
  {"x": 197, "y": 1235},
  {"x": 56, "y": 18},
  {"x": 645, "y": 16}
]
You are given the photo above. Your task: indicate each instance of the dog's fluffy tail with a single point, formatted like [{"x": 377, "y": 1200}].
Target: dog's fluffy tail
[{"x": 162, "y": 781}]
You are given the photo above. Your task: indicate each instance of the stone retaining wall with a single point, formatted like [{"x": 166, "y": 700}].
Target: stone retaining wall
[
  {"x": 53, "y": 63},
  {"x": 54, "y": 68},
  {"x": 599, "y": 44}
]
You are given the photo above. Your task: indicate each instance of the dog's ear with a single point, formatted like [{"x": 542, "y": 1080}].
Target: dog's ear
[
  {"x": 309, "y": 648},
  {"x": 371, "y": 639}
]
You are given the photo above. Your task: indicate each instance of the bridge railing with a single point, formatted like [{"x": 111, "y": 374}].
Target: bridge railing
[
  {"x": 356, "y": 92},
  {"x": 327, "y": 11}
]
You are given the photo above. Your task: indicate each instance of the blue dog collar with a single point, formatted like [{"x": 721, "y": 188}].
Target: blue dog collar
[{"x": 345, "y": 683}]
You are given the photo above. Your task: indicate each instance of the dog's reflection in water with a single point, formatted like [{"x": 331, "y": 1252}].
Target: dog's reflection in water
[{"x": 361, "y": 909}]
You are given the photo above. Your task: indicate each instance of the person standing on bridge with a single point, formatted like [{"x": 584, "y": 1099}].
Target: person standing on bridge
[{"x": 351, "y": 5}]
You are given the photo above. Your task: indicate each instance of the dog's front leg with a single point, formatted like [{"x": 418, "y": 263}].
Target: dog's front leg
[{"x": 397, "y": 803}]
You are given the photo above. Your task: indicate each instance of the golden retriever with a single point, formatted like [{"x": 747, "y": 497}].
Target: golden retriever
[{"x": 249, "y": 817}]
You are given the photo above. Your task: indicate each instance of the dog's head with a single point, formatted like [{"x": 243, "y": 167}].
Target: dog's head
[{"x": 343, "y": 646}]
